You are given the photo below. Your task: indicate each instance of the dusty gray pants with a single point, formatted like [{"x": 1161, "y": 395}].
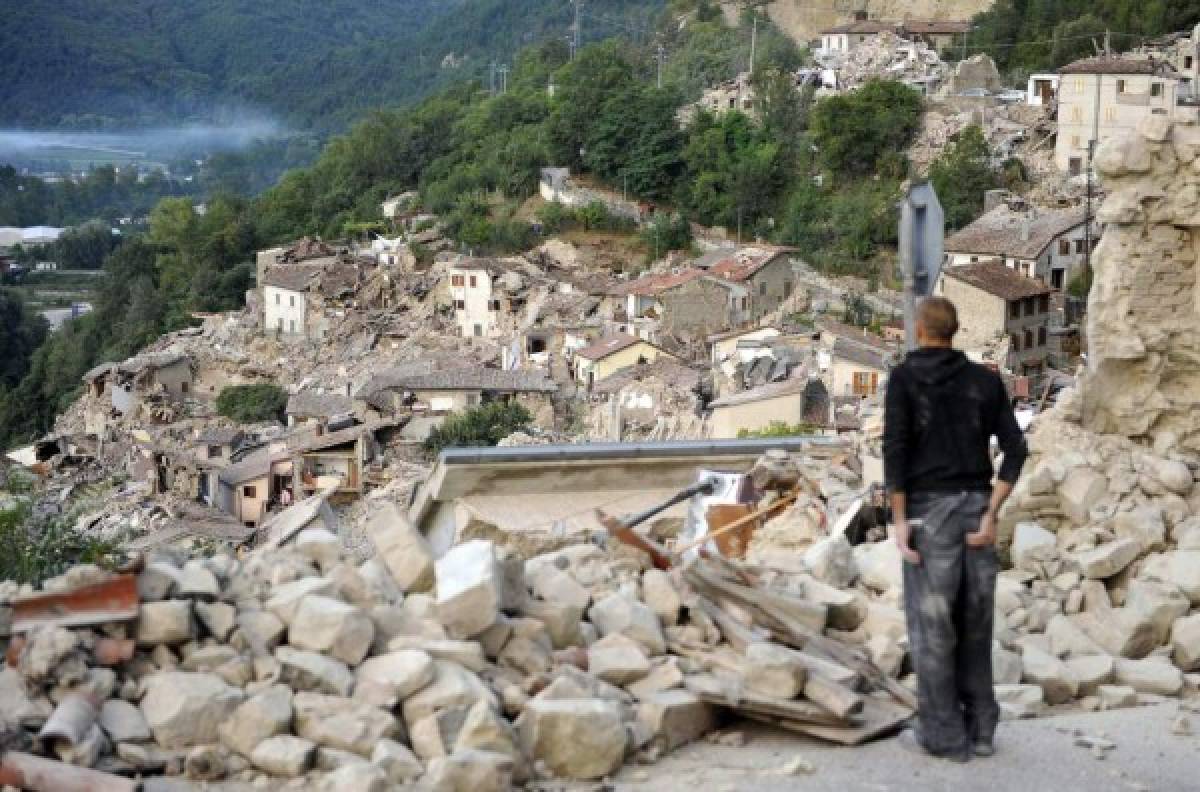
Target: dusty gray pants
[{"x": 948, "y": 602}]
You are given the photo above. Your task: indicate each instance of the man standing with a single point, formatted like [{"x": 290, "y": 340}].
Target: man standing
[{"x": 942, "y": 411}]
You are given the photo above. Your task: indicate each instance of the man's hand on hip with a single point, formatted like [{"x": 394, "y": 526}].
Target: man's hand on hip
[
  {"x": 986, "y": 535},
  {"x": 902, "y": 534}
]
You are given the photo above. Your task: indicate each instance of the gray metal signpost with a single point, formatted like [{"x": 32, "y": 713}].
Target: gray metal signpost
[{"x": 922, "y": 237}]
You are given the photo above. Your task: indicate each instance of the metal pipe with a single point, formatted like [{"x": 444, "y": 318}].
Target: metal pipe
[{"x": 705, "y": 487}]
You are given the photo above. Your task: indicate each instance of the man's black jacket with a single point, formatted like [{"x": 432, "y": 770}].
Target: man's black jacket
[{"x": 941, "y": 413}]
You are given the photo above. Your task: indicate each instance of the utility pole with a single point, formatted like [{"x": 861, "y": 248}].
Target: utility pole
[
  {"x": 662, "y": 53},
  {"x": 1107, "y": 44},
  {"x": 492, "y": 78},
  {"x": 753, "y": 42},
  {"x": 503, "y": 69},
  {"x": 575, "y": 29}
]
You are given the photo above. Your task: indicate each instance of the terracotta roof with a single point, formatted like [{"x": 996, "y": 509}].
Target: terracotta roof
[
  {"x": 651, "y": 285},
  {"x": 293, "y": 277},
  {"x": 998, "y": 280},
  {"x": 772, "y": 390},
  {"x": 743, "y": 264},
  {"x": 609, "y": 345},
  {"x": 1116, "y": 65},
  {"x": 1003, "y": 232}
]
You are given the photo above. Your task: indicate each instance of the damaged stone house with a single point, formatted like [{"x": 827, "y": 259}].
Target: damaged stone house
[
  {"x": 685, "y": 304},
  {"x": 611, "y": 354},
  {"x": 303, "y": 300},
  {"x": 994, "y": 303},
  {"x": 768, "y": 273},
  {"x": 146, "y": 387},
  {"x": 486, "y": 295},
  {"x": 442, "y": 391},
  {"x": 936, "y": 34},
  {"x": 1050, "y": 245},
  {"x": 302, "y": 463},
  {"x": 319, "y": 409},
  {"x": 758, "y": 408},
  {"x": 854, "y": 362},
  {"x": 637, "y": 396}
]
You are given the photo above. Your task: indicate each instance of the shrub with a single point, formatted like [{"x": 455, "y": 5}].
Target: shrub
[
  {"x": 252, "y": 403},
  {"x": 38, "y": 548},
  {"x": 479, "y": 426},
  {"x": 779, "y": 429}
]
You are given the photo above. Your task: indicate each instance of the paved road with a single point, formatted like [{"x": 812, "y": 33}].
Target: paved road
[{"x": 1033, "y": 756}]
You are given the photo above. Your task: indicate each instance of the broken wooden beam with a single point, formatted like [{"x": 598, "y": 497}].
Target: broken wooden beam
[
  {"x": 113, "y": 600},
  {"x": 26, "y": 771}
]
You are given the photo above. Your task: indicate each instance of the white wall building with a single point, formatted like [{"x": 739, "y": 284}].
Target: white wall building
[
  {"x": 283, "y": 311},
  {"x": 475, "y": 296},
  {"x": 1100, "y": 98}
]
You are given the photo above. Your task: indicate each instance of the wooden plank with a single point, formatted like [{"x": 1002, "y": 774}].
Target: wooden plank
[
  {"x": 711, "y": 689},
  {"x": 832, "y": 696},
  {"x": 880, "y": 717}
]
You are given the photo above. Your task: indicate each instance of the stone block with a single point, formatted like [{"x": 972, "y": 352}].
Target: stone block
[
  {"x": 676, "y": 718},
  {"x": 396, "y": 761},
  {"x": 1151, "y": 675},
  {"x": 1116, "y": 696},
  {"x": 1049, "y": 673},
  {"x": 404, "y": 550},
  {"x": 284, "y": 756},
  {"x": 1082, "y": 489},
  {"x": 659, "y": 593},
  {"x": 469, "y": 771},
  {"x": 168, "y": 622},
  {"x": 341, "y": 722},
  {"x": 831, "y": 560},
  {"x": 122, "y": 722},
  {"x": 328, "y": 625},
  {"x": 184, "y": 709},
  {"x": 320, "y": 545},
  {"x": 1161, "y": 603},
  {"x": 286, "y": 598},
  {"x": 1108, "y": 559},
  {"x": 263, "y": 715},
  {"x": 1032, "y": 544},
  {"x": 196, "y": 581},
  {"x": 1144, "y": 525},
  {"x": 618, "y": 614},
  {"x": 1185, "y": 642},
  {"x": 773, "y": 671},
  {"x": 313, "y": 671},
  {"x": 218, "y": 618},
  {"x": 470, "y": 588},
  {"x": 1020, "y": 701},
  {"x": 617, "y": 660},
  {"x": 261, "y": 630},
  {"x": 577, "y": 739},
  {"x": 388, "y": 679},
  {"x": 562, "y": 621},
  {"x": 1119, "y": 631},
  {"x": 1090, "y": 672},
  {"x": 452, "y": 686}
]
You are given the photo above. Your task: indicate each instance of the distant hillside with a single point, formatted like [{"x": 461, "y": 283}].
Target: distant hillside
[
  {"x": 312, "y": 63},
  {"x": 803, "y": 20}
]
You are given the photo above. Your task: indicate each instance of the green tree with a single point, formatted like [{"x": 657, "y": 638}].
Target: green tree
[
  {"x": 861, "y": 133},
  {"x": 21, "y": 332},
  {"x": 252, "y": 403},
  {"x": 962, "y": 175},
  {"x": 486, "y": 425}
]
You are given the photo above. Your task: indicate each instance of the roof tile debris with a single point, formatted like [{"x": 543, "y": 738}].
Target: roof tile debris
[
  {"x": 856, "y": 352},
  {"x": 314, "y": 404},
  {"x": 664, "y": 368},
  {"x": 652, "y": 285},
  {"x": 744, "y": 263},
  {"x": 998, "y": 280}
]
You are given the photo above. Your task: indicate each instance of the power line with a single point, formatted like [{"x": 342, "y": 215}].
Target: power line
[{"x": 1051, "y": 41}]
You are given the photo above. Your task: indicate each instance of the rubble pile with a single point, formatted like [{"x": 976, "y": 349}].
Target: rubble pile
[
  {"x": 890, "y": 57},
  {"x": 474, "y": 670},
  {"x": 1102, "y": 529}
]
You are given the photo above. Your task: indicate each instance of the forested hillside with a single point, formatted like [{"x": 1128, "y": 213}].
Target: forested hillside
[
  {"x": 1025, "y": 36},
  {"x": 313, "y": 63}
]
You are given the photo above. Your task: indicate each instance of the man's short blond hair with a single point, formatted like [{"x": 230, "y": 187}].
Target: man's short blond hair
[{"x": 939, "y": 317}]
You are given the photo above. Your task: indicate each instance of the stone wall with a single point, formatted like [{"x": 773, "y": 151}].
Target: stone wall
[{"x": 1126, "y": 440}]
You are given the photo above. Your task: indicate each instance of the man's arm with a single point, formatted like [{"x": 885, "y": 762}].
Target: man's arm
[
  {"x": 1012, "y": 444},
  {"x": 895, "y": 457}
]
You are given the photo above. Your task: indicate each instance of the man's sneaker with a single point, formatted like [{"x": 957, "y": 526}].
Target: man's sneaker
[
  {"x": 984, "y": 747},
  {"x": 910, "y": 740}
]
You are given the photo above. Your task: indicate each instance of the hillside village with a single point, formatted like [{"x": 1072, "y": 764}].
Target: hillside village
[{"x": 340, "y": 596}]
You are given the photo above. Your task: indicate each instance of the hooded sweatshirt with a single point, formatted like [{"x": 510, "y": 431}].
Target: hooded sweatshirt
[{"x": 941, "y": 412}]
